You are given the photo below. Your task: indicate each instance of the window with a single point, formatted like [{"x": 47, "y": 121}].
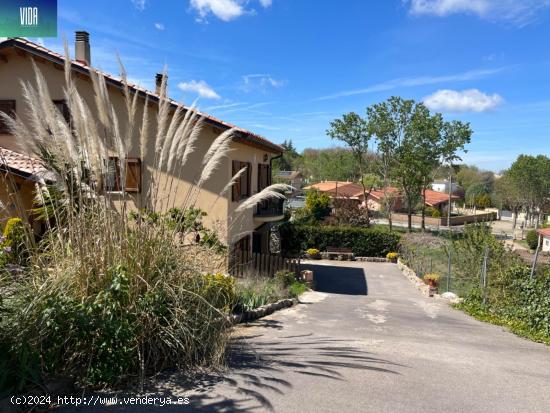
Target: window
[
  {"x": 7, "y": 107},
  {"x": 113, "y": 181},
  {"x": 241, "y": 188},
  {"x": 264, "y": 176},
  {"x": 61, "y": 105}
]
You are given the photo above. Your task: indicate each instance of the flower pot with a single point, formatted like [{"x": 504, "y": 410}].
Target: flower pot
[{"x": 393, "y": 260}]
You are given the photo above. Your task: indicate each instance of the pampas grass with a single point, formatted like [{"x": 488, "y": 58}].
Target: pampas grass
[{"x": 144, "y": 290}]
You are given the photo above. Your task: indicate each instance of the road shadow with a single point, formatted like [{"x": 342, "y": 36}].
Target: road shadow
[
  {"x": 257, "y": 370},
  {"x": 339, "y": 280}
]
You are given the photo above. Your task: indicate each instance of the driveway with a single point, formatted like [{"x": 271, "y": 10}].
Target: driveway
[{"x": 367, "y": 341}]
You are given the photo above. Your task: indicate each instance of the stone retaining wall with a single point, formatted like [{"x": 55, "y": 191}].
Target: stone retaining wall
[{"x": 415, "y": 279}]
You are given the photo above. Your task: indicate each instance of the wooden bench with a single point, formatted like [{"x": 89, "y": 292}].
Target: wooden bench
[{"x": 335, "y": 252}]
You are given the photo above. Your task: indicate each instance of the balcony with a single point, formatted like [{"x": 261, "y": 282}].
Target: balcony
[{"x": 270, "y": 210}]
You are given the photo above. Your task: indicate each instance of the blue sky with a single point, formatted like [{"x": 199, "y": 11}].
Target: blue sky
[{"x": 286, "y": 68}]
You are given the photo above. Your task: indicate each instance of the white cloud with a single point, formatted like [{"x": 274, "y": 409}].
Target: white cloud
[
  {"x": 261, "y": 82},
  {"x": 413, "y": 81},
  {"x": 225, "y": 10},
  {"x": 519, "y": 12},
  {"x": 159, "y": 26},
  {"x": 470, "y": 100},
  {"x": 200, "y": 87},
  {"x": 139, "y": 4}
]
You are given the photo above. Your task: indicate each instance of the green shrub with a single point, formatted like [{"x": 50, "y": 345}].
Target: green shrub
[
  {"x": 297, "y": 288},
  {"x": 532, "y": 239},
  {"x": 219, "y": 290},
  {"x": 256, "y": 292},
  {"x": 364, "y": 242},
  {"x": 14, "y": 245},
  {"x": 286, "y": 278},
  {"x": 318, "y": 204},
  {"x": 515, "y": 301},
  {"x": 433, "y": 212}
]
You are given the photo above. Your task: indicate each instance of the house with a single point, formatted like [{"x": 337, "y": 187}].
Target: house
[
  {"x": 443, "y": 185},
  {"x": 544, "y": 234},
  {"x": 339, "y": 189},
  {"x": 20, "y": 172},
  {"x": 375, "y": 199},
  {"x": 292, "y": 178}
]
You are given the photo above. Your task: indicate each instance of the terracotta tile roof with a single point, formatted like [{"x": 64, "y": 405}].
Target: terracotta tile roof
[
  {"x": 545, "y": 232},
  {"x": 380, "y": 193},
  {"x": 247, "y": 137},
  {"x": 434, "y": 198},
  {"x": 338, "y": 188},
  {"x": 21, "y": 164}
]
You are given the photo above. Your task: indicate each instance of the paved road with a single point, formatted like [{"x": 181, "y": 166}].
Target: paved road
[{"x": 367, "y": 341}]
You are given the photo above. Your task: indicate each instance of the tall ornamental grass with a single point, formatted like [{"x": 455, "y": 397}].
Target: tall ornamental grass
[{"x": 104, "y": 297}]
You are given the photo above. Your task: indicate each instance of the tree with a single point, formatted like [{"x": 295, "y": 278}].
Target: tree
[
  {"x": 412, "y": 143},
  {"x": 531, "y": 175},
  {"x": 317, "y": 204},
  {"x": 334, "y": 164},
  {"x": 353, "y": 130},
  {"x": 508, "y": 195},
  {"x": 290, "y": 159},
  {"x": 474, "y": 193}
]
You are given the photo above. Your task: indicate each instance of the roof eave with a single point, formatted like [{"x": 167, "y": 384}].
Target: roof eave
[{"x": 248, "y": 137}]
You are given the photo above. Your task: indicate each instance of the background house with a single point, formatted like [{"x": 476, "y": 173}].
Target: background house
[
  {"x": 248, "y": 149},
  {"x": 443, "y": 185},
  {"x": 292, "y": 178},
  {"x": 375, "y": 199},
  {"x": 544, "y": 233}
]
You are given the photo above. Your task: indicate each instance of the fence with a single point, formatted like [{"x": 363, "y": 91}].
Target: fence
[
  {"x": 440, "y": 258},
  {"x": 244, "y": 263},
  {"x": 442, "y": 221}
]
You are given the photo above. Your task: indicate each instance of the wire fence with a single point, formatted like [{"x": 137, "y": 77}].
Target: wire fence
[{"x": 441, "y": 258}]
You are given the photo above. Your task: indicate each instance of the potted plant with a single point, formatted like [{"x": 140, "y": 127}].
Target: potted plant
[
  {"x": 392, "y": 257},
  {"x": 313, "y": 253},
  {"x": 432, "y": 280}
]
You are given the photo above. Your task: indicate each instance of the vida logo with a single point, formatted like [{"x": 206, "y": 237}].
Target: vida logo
[{"x": 28, "y": 16}]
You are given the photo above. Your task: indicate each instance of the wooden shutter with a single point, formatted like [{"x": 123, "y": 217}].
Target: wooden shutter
[
  {"x": 8, "y": 107},
  {"x": 264, "y": 176},
  {"x": 133, "y": 175},
  {"x": 236, "y": 189},
  {"x": 248, "y": 179}
]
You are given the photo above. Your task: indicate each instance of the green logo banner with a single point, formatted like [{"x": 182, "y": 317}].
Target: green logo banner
[{"x": 28, "y": 18}]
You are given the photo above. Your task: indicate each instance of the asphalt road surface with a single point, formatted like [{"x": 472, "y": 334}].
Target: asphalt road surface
[{"x": 367, "y": 341}]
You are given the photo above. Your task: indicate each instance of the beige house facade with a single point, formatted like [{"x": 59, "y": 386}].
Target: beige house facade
[{"x": 248, "y": 230}]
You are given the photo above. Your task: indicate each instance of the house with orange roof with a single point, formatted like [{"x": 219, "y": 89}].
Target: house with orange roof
[
  {"x": 544, "y": 234},
  {"x": 375, "y": 198},
  {"x": 21, "y": 171}
]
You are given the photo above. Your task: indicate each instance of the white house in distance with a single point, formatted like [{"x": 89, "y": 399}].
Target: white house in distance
[
  {"x": 442, "y": 185},
  {"x": 545, "y": 239}
]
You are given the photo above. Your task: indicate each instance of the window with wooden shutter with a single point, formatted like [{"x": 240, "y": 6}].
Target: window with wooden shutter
[
  {"x": 264, "y": 176},
  {"x": 242, "y": 187},
  {"x": 236, "y": 189},
  {"x": 133, "y": 175},
  {"x": 113, "y": 180},
  {"x": 7, "y": 107}
]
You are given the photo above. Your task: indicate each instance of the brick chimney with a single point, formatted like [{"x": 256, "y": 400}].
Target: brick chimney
[
  {"x": 158, "y": 82},
  {"x": 82, "y": 47}
]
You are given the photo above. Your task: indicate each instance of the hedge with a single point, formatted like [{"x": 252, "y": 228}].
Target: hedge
[{"x": 364, "y": 242}]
